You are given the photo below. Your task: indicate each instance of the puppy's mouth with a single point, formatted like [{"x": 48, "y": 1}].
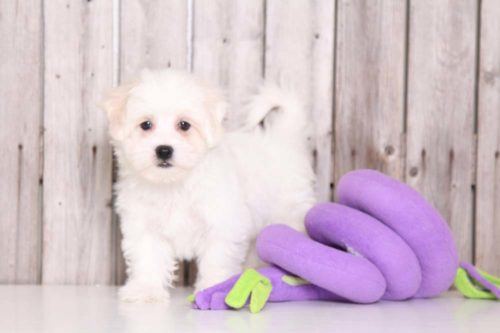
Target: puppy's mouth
[{"x": 164, "y": 164}]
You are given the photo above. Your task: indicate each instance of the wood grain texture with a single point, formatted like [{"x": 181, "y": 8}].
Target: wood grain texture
[
  {"x": 154, "y": 34},
  {"x": 488, "y": 158},
  {"x": 20, "y": 162},
  {"x": 299, "y": 53},
  {"x": 441, "y": 90},
  {"x": 370, "y": 86},
  {"x": 77, "y": 239},
  {"x": 228, "y": 48},
  {"x": 322, "y": 95}
]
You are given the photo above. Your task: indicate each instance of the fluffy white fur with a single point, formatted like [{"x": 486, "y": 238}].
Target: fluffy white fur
[{"x": 220, "y": 189}]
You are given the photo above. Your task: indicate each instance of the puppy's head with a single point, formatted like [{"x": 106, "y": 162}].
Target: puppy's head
[{"x": 163, "y": 124}]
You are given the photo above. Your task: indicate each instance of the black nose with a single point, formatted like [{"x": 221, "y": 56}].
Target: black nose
[{"x": 164, "y": 152}]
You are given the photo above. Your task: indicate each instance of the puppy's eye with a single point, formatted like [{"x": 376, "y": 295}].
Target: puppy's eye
[
  {"x": 146, "y": 125},
  {"x": 184, "y": 125}
]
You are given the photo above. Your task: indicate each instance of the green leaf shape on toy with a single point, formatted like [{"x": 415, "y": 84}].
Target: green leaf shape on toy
[
  {"x": 477, "y": 284},
  {"x": 250, "y": 284},
  {"x": 260, "y": 296},
  {"x": 190, "y": 298},
  {"x": 293, "y": 280}
]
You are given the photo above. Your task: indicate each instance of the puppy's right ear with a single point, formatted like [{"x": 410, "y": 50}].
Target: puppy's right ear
[{"x": 114, "y": 105}]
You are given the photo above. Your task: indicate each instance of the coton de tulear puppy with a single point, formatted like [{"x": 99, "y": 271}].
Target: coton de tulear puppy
[{"x": 188, "y": 190}]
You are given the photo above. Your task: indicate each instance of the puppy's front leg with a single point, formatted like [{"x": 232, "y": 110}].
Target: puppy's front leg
[
  {"x": 150, "y": 268},
  {"x": 220, "y": 260}
]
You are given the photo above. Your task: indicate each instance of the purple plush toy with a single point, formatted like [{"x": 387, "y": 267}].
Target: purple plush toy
[{"x": 381, "y": 241}]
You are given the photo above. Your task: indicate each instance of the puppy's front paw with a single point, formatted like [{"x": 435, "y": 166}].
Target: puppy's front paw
[{"x": 143, "y": 293}]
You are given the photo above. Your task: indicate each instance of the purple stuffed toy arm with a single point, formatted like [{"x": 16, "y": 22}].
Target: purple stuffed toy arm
[{"x": 282, "y": 287}]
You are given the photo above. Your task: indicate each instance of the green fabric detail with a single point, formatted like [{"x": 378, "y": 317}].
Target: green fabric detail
[
  {"x": 493, "y": 279},
  {"x": 470, "y": 289},
  {"x": 260, "y": 295},
  {"x": 250, "y": 284},
  {"x": 190, "y": 298},
  {"x": 293, "y": 280}
]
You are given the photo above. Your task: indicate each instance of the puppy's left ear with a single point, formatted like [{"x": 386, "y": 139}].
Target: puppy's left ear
[
  {"x": 216, "y": 107},
  {"x": 114, "y": 105}
]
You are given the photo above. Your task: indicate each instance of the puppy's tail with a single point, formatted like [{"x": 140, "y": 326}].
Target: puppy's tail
[{"x": 278, "y": 113}]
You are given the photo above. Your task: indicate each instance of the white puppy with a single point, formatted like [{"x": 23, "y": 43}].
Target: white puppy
[{"x": 188, "y": 190}]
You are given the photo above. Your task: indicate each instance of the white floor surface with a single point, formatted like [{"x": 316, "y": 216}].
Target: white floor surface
[{"x": 96, "y": 309}]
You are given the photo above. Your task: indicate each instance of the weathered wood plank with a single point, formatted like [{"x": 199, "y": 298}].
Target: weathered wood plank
[
  {"x": 20, "y": 116},
  {"x": 77, "y": 246},
  {"x": 441, "y": 88},
  {"x": 370, "y": 86},
  {"x": 322, "y": 96},
  {"x": 228, "y": 47},
  {"x": 154, "y": 34},
  {"x": 299, "y": 51},
  {"x": 488, "y": 158}
]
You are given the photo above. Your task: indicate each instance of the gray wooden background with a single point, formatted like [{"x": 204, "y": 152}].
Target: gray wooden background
[{"x": 411, "y": 88}]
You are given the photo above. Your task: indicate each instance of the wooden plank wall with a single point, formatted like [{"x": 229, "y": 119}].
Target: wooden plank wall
[
  {"x": 487, "y": 231},
  {"x": 370, "y": 86},
  {"x": 411, "y": 88},
  {"x": 21, "y": 98},
  {"x": 440, "y": 140},
  {"x": 77, "y": 229}
]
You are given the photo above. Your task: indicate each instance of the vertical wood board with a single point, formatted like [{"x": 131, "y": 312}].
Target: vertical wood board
[
  {"x": 370, "y": 87},
  {"x": 77, "y": 239},
  {"x": 21, "y": 138},
  {"x": 441, "y": 101},
  {"x": 488, "y": 158}
]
